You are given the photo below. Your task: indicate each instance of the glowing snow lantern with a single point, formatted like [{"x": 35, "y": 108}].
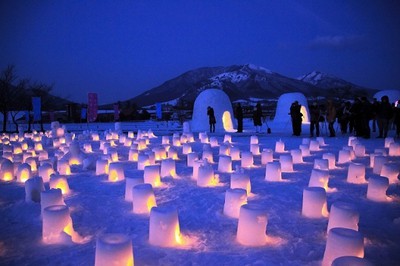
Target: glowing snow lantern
[
  {"x": 17, "y": 148},
  {"x": 331, "y": 160},
  {"x": 214, "y": 142},
  {"x": 356, "y": 173},
  {"x": 208, "y": 155},
  {"x": 344, "y": 156},
  {"x": 394, "y": 149},
  {"x": 296, "y": 156},
  {"x": 343, "y": 242},
  {"x": 160, "y": 153},
  {"x": 164, "y": 227},
  {"x": 196, "y": 166},
  {"x": 286, "y": 161},
  {"x": 57, "y": 181},
  {"x": 50, "y": 197},
  {"x": 130, "y": 182},
  {"x": 176, "y": 141},
  {"x": 173, "y": 154},
  {"x": 314, "y": 145},
  {"x": 267, "y": 156},
  {"x": 142, "y": 144},
  {"x": 87, "y": 147},
  {"x": 186, "y": 148},
  {"x": 372, "y": 159},
  {"x": 116, "y": 172},
  {"x": 279, "y": 146},
  {"x": 253, "y": 139},
  {"x": 128, "y": 142},
  {"x": 190, "y": 158},
  {"x": 252, "y": 225},
  {"x": 359, "y": 150},
  {"x": 319, "y": 178},
  {"x": 190, "y": 137},
  {"x": 101, "y": 167},
  {"x": 344, "y": 215},
  {"x": 305, "y": 150},
  {"x": 152, "y": 175},
  {"x": 165, "y": 140},
  {"x": 227, "y": 138},
  {"x": 43, "y": 155},
  {"x": 7, "y": 170},
  {"x": 255, "y": 149},
  {"x": 351, "y": 140},
  {"x": 247, "y": 159},
  {"x": 168, "y": 168},
  {"x": 377, "y": 187},
  {"x": 143, "y": 161},
  {"x": 239, "y": 179},
  {"x": 143, "y": 198},
  {"x": 314, "y": 202},
  {"x": 351, "y": 260},
  {"x": 234, "y": 199},
  {"x": 133, "y": 155},
  {"x": 235, "y": 153},
  {"x": 273, "y": 171},
  {"x": 391, "y": 171},
  {"x": 225, "y": 149},
  {"x": 351, "y": 150},
  {"x": 379, "y": 161},
  {"x": 114, "y": 249},
  {"x": 23, "y": 172},
  {"x": 388, "y": 141},
  {"x": 63, "y": 167},
  {"x": 113, "y": 155},
  {"x": 183, "y": 139},
  {"x": 203, "y": 137},
  {"x": 33, "y": 187},
  {"x": 206, "y": 177},
  {"x": 225, "y": 164},
  {"x": 38, "y": 146},
  {"x": 45, "y": 171},
  {"x": 322, "y": 164}
]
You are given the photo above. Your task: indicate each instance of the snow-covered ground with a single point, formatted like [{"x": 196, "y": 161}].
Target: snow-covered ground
[{"x": 98, "y": 206}]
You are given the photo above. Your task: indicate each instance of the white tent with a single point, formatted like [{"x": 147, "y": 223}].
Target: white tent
[
  {"x": 283, "y": 107},
  {"x": 394, "y": 95},
  {"x": 222, "y": 106}
]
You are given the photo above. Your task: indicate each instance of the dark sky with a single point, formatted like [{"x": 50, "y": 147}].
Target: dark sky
[{"x": 122, "y": 48}]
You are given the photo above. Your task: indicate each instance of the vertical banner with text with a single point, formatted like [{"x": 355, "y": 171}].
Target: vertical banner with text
[
  {"x": 92, "y": 107},
  {"x": 37, "y": 109}
]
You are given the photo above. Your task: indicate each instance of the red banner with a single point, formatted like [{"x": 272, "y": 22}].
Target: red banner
[{"x": 92, "y": 107}]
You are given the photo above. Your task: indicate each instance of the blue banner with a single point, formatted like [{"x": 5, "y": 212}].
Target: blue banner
[{"x": 37, "y": 108}]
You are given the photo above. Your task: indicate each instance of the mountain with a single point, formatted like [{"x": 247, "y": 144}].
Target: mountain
[{"x": 240, "y": 82}]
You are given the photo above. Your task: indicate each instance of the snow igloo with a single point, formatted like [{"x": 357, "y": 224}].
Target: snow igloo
[
  {"x": 283, "y": 107},
  {"x": 394, "y": 95},
  {"x": 220, "y": 102}
]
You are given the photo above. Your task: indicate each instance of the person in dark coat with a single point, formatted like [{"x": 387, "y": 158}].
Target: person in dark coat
[
  {"x": 296, "y": 115},
  {"x": 257, "y": 117},
  {"x": 383, "y": 115},
  {"x": 315, "y": 114},
  {"x": 331, "y": 117},
  {"x": 239, "y": 117},
  {"x": 397, "y": 119},
  {"x": 211, "y": 118}
]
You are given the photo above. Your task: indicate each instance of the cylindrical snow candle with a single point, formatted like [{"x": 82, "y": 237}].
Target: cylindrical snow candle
[
  {"x": 143, "y": 160},
  {"x": 321, "y": 164},
  {"x": 206, "y": 176},
  {"x": 130, "y": 182},
  {"x": 359, "y": 150},
  {"x": 63, "y": 167},
  {"x": 314, "y": 203},
  {"x": 379, "y": 161},
  {"x": 160, "y": 153},
  {"x": 143, "y": 198},
  {"x": 114, "y": 249},
  {"x": 165, "y": 140},
  {"x": 273, "y": 171},
  {"x": 176, "y": 141},
  {"x": 344, "y": 156},
  {"x": 279, "y": 146},
  {"x": 168, "y": 168},
  {"x": 343, "y": 242},
  {"x": 377, "y": 187},
  {"x": 191, "y": 158},
  {"x": 51, "y": 197},
  {"x": 252, "y": 225},
  {"x": 247, "y": 159},
  {"x": 253, "y": 139},
  {"x": 286, "y": 161},
  {"x": 255, "y": 149},
  {"x": 214, "y": 142},
  {"x": 235, "y": 153},
  {"x": 101, "y": 167},
  {"x": 56, "y": 220},
  {"x": 225, "y": 164},
  {"x": 296, "y": 156},
  {"x": 23, "y": 172},
  {"x": 305, "y": 150},
  {"x": 7, "y": 170},
  {"x": 33, "y": 187},
  {"x": 331, "y": 160},
  {"x": 343, "y": 215},
  {"x": 45, "y": 171},
  {"x": 241, "y": 180},
  {"x": 58, "y": 181},
  {"x": 207, "y": 154},
  {"x": 267, "y": 156},
  {"x": 116, "y": 172},
  {"x": 314, "y": 145},
  {"x": 225, "y": 149},
  {"x": 234, "y": 199},
  {"x": 356, "y": 173},
  {"x": 394, "y": 149},
  {"x": 319, "y": 178},
  {"x": 133, "y": 155},
  {"x": 164, "y": 227},
  {"x": 152, "y": 175},
  {"x": 186, "y": 148},
  {"x": 227, "y": 138}
]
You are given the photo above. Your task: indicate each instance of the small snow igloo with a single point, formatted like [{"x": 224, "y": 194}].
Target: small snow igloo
[
  {"x": 284, "y": 103},
  {"x": 220, "y": 102}
]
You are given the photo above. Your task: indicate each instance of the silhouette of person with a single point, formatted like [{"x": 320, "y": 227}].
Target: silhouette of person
[
  {"x": 211, "y": 118},
  {"x": 239, "y": 117},
  {"x": 315, "y": 114},
  {"x": 296, "y": 116},
  {"x": 257, "y": 115}
]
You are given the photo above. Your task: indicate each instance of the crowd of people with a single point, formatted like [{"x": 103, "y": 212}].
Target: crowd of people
[{"x": 350, "y": 117}]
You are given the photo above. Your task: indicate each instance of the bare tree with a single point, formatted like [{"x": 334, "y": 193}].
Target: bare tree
[{"x": 7, "y": 80}]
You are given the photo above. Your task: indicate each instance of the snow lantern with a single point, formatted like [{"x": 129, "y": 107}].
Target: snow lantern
[
  {"x": 214, "y": 142},
  {"x": 58, "y": 181},
  {"x": 319, "y": 178},
  {"x": 273, "y": 171},
  {"x": 143, "y": 198},
  {"x": 7, "y": 170},
  {"x": 173, "y": 154},
  {"x": 252, "y": 225},
  {"x": 143, "y": 161},
  {"x": 220, "y": 102},
  {"x": 305, "y": 150},
  {"x": 356, "y": 173},
  {"x": 344, "y": 156},
  {"x": 176, "y": 141},
  {"x": 168, "y": 168},
  {"x": 130, "y": 182},
  {"x": 45, "y": 171},
  {"x": 234, "y": 199},
  {"x": 377, "y": 187},
  {"x": 51, "y": 197},
  {"x": 203, "y": 137},
  {"x": 359, "y": 150},
  {"x": 190, "y": 158},
  {"x": 283, "y": 107},
  {"x": 255, "y": 149},
  {"x": 63, "y": 167},
  {"x": 239, "y": 179},
  {"x": 33, "y": 187},
  {"x": 133, "y": 155},
  {"x": 225, "y": 164},
  {"x": 394, "y": 149},
  {"x": 114, "y": 249},
  {"x": 286, "y": 161},
  {"x": 160, "y": 153},
  {"x": 321, "y": 141},
  {"x": 247, "y": 159},
  {"x": 279, "y": 146},
  {"x": 101, "y": 167},
  {"x": 225, "y": 149},
  {"x": 196, "y": 166},
  {"x": 314, "y": 145},
  {"x": 314, "y": 202},
  {"x": 351, "y": 260},
  {"x": 23, "y": 172},
  {"x": 235, "y": 153},
  {"x": 165, "y": 140},
  {"x": 343, "y": 242},
  {"x": 343, "y": 215},
  {"x": 379, "y": 161},
  {"x": 391, "y": 171},
  {"x": 186, "y": 148},
  {"x": 267, "y": 156},
  {"x": 322, "y": 164},
  {"x": 227, "y": 138},
  {"x": 164, "y": 227},
  {"x": 206, "y": 177},
  {"x": 152, "y": 175},
  {"x": 208, "y": 155},
  {"x": 116, "y": 172},
  {"x": 253, "y": 139},
  {"x": 331, "y": 160},
  {"x": 296, "y": 156}
]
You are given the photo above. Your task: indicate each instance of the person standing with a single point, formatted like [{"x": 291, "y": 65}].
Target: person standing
[
  {"x": 397, "y": 119},
  {"x": 211, "y": 118},
  {"x": 257, "y": 116},
  {"x": 239, "y": 117},
  {"x": 383, "y": 115},
  {"x": 331, "y": 117},
  {"x": 315, "y": 114},
  {"x": 296, "y": 115}
]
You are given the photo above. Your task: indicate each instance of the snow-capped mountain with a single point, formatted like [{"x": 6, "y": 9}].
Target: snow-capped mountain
[{"x": 239, "y": 82}]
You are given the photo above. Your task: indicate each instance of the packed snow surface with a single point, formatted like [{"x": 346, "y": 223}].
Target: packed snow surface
[{"x": 98, "y": 206}]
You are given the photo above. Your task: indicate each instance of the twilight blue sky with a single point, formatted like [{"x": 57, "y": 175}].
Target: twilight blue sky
[{"x": 122, "y": 48}]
